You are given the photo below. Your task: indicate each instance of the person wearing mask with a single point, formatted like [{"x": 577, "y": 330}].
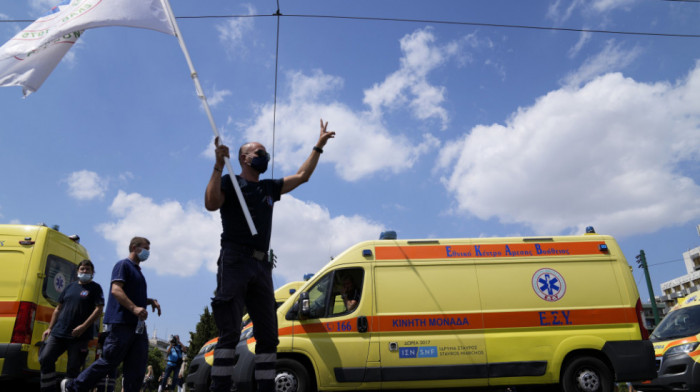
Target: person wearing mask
[
  {"x": 126, "y": 314},
  {"x": 71, "y": 327},
  {"x": 244, "y": 276}
]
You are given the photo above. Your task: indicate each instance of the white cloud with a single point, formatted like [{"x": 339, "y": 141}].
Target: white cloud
[
  {"x": 183, "y": 238},
  {"x": 42, "y": 6},
  {"x": 409, "y": 85},
  {"x": 186, "y": 238},
  {"x": 233, "y": 31},
  {"x": 215, "y": 97},
  {"x": 86, "y": 185},
  {"x": 583, "y": 39},
  {"x": 612, "y": 58},
  {"x": 560, "y": 11},
  {"x": 305, "y": 236},
  {"x": 610, "y": 153},
  {"x": 362, "y": 146},
  {"x": 4, "y": 17},
  {"x": 608, "y": 5}
]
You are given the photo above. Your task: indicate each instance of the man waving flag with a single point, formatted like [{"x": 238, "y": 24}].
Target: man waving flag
[{"x": 29, "y": 57}]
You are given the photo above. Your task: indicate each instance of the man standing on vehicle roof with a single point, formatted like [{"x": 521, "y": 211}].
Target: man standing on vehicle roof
[
  {"x": 126, "y": 314},
  {"x": 72, "y": 326},
  {"x": 244, "y": 276}
]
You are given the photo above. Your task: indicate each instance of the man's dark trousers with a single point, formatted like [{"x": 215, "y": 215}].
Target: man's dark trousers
[
  {"x": 244, "y": 281},
  {"x": 122, "y": 344},
  {"x": 54, "y": 347}
]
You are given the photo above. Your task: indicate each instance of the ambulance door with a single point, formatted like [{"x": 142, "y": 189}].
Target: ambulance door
[
  {"x": 430, "y": 326},
  {"x": 335, "y": 335}
]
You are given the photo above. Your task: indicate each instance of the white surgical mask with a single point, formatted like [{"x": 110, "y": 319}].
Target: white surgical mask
[{"x": 84, "y": 278}]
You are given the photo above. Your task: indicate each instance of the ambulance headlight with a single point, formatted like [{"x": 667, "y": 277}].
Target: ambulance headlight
[
  {"x": 682, "y": 349},
  {"x": 246, "y": 334}
]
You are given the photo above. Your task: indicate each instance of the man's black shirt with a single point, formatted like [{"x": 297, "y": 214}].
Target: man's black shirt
[{"x": 260, "y": 198}]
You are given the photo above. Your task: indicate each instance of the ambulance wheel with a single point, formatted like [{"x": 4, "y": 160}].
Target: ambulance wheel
[
  {"x": 292, "y": 377},
  {"x": 587, "y": 374}
]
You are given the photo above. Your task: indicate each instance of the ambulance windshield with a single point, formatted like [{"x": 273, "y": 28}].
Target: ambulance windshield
[{"x": 678, "y": 324}]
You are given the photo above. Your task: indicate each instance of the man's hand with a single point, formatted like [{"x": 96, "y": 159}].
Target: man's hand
[
  {"x": 155, "y": 305},
  {"x": 77, "y": 331},
  {"x": 323, "y": 139},
  {"x": 45, "y": 334},
  {"x": 221, "y": 152},
  {"x": 141, "y": 313}
]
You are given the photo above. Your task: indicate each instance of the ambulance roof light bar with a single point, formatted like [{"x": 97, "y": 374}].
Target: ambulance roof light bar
[{"x": 388, "y": 235}]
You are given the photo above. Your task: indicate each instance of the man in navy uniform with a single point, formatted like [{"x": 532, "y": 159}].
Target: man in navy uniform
[{"x": 72, "y": 327}]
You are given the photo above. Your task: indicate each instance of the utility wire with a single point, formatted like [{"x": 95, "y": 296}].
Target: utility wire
[
  {"x": 669, "y": 261},
  {"x": 457, "y": 23},
  {"x": 445, "y": 22}
]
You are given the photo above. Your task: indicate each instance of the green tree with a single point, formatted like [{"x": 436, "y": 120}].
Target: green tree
[
  {"x": 155, "y": 359},
  {"x": 204, "y": 331}
]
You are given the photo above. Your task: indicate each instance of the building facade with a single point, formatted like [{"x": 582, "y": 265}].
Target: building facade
[{"x": 686, "y": 284}]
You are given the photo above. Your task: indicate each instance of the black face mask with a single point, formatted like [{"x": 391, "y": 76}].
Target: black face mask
[{"x": 259, "y": 163}]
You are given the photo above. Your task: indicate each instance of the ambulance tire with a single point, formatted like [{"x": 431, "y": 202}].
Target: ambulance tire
[
  {"x": 292, "y": 376},
  {"x": 587, "y": 374}
]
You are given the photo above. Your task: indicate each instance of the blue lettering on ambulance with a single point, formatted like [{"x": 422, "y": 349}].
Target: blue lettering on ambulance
[
  {"x": 517, "y": 252},
  {"x": 477, "y": 250},
  {"x": 556, "y": 317},
  {"x": 408, "y": 352},
  {"x": 453, "y": 253},
  {"x": 448, "y": 321},
  {"x": 551, "y": 251},
  {"x": 408, "y": 323}
]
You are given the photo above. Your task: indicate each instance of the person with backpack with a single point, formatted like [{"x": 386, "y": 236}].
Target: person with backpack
[{"x": 174, "y": 360}]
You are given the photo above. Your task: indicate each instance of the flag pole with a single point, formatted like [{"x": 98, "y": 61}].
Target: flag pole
[{"x": 200, "y": 94}]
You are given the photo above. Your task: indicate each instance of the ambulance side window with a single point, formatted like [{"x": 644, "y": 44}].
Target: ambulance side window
[
  {"x": 347, "y": 290},
  {"x": 59, "y": 273},
  {"x": 318, "y": 296}
]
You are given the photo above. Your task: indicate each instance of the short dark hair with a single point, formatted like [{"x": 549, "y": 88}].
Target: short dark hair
[
  {"x": 88, "y": 263},
  {"x": 138, "y": 241}
]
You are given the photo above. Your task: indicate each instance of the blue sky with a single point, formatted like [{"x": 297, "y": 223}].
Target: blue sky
[{"x": 442, "y": 131}]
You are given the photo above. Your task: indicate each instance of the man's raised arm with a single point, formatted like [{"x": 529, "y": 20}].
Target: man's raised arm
[{"x": 308, "y": 167}]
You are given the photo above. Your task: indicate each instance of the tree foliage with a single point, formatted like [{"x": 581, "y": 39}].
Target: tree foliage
[
  {"x": 155, "y": 359},
  {"x": 204, "y": 331}
]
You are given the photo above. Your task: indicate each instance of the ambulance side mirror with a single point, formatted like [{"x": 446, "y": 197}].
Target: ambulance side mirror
[
  {"x": 305, "y": 311},
  {"x": 301, "y": 309}
]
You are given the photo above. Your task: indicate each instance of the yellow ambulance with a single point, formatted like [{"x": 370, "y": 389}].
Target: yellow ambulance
[
  {"x": 36, "y": 264},
  {"x": 676, "y": 340},
  {"x": 485, "y": 312}
]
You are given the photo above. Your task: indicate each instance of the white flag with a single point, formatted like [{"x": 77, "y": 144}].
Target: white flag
[
  {"x": 29, "y": 57},
  {"x": 75, "y": 15},
  {"x": 31, "y": 69}
]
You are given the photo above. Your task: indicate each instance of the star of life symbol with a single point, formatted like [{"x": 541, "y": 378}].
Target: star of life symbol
[
  {"x": 59, "y": 282},
  {"x": 548, "y": 284}
]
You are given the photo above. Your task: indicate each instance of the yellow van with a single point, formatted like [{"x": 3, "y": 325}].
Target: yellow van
[
  {"x": 676, "y": 341},
  {"x": 36, "y": 264},
  {"x": 485, "y": 312}
]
